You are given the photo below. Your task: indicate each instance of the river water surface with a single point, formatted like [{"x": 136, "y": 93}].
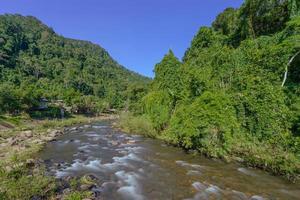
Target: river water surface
[{"x": 132, "y": 167}]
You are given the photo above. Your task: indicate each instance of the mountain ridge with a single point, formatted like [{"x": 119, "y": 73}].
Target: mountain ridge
[{"x": 32, "y": 53}]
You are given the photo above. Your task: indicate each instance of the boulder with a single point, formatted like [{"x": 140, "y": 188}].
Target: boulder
[
  {"x": 55, "y": 133},
  {"x": 30, "y": 162},
  {"x": 73, "y": 129},
  {"x": 96, "y": 192},
  {"x": 26, "y": 134},
  {"x": 36, "y": 197},
  {"x": 37, "y": 141},
  {"x": 256, "y": 197},
  {"x": 89, "y": 179},
  {"x": 67, "y": 191},
  {"x": 47, "y": 138},
  {"x": 67, "y": 178},
  {"x": 131, "y": 141},
  {"x": 62, "y": 184},
  {"x": 59, "y": 196},
  {"x": 86, "y": 187},
  {"x": 12, "y": 141},
  {"x": 57, "y": 165},
  {"x": 8, "y": 169},
  {"x": 36, "y": 170}
]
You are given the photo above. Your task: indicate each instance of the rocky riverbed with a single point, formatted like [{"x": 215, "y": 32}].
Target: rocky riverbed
[
  {"x": 22, "y": 173},
  {"x": 25, "y": 140},
  {"x": 113, "y": 165}
]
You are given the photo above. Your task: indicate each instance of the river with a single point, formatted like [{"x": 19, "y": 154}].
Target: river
[{"x": 133, "y": 167}]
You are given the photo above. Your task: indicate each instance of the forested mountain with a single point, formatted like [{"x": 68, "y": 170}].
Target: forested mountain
[
  {"x": 228, "y": 97},
  {"x": 37, "y": 63},
  {"x": 235, "y": 95}
]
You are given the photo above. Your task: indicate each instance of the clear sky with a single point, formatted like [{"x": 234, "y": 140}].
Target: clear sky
[{"x": 136, "y": 33}]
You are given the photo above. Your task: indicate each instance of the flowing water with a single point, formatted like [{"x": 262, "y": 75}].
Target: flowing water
[{"x": 132, "y": 167}]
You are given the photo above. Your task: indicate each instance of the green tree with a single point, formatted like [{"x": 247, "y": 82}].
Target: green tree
[{"x": 167, "y": 75}]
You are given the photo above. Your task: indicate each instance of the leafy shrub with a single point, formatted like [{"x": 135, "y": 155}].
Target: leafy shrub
[
  {"x": 88, "y": 105},
  {"x": 157, "y": 105},
  {"x": 208, "y": 124},
  {"x": 137, "y": 124},
  {"x": 10, "y": 101},
  {"x": 50, "y": 113}
]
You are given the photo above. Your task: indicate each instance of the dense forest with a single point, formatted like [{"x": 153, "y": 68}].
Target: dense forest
[
  {"x": 36, "y": 63},
  {"x": 236, "y": 93},
  {"x": 234, "y": 96}
]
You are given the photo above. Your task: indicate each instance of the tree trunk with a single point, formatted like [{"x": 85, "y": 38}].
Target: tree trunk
[{"x": 286, "y": 68}]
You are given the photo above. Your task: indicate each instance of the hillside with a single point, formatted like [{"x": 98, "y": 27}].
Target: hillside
[
  {"x": 37, "y": 63},
  {"x": 228, "y": 97},
  {"x": 223, "y": 122}
]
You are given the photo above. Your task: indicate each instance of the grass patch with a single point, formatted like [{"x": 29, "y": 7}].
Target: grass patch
[
  {"x": 136, "y": 124},
  {"x": 20, "y": 184},
  {"x": 40, "y": 126},
  {"x": 76, "y": 195},
  {"x": 248, "y": 150},
  {"x": 272, "y": 158},
  {"x": 11, "y": 121}
]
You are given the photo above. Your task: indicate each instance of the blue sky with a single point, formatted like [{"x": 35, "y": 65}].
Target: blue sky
[{"x": 136, "y": 33}]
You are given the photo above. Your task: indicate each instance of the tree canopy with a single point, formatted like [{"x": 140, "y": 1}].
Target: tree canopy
[
  {"x": 35, "y": 62},
  {"x": 226, "y": 97}
]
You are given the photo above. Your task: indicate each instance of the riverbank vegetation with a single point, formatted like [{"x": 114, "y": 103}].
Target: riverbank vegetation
[
  {"x": 235, "y": 95},
  {"x": 22, "y": 174},
  {"x": 228, "y": 97}
]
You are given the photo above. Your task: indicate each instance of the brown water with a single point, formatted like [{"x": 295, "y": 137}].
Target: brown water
[{"x": 133, "y": 167}]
